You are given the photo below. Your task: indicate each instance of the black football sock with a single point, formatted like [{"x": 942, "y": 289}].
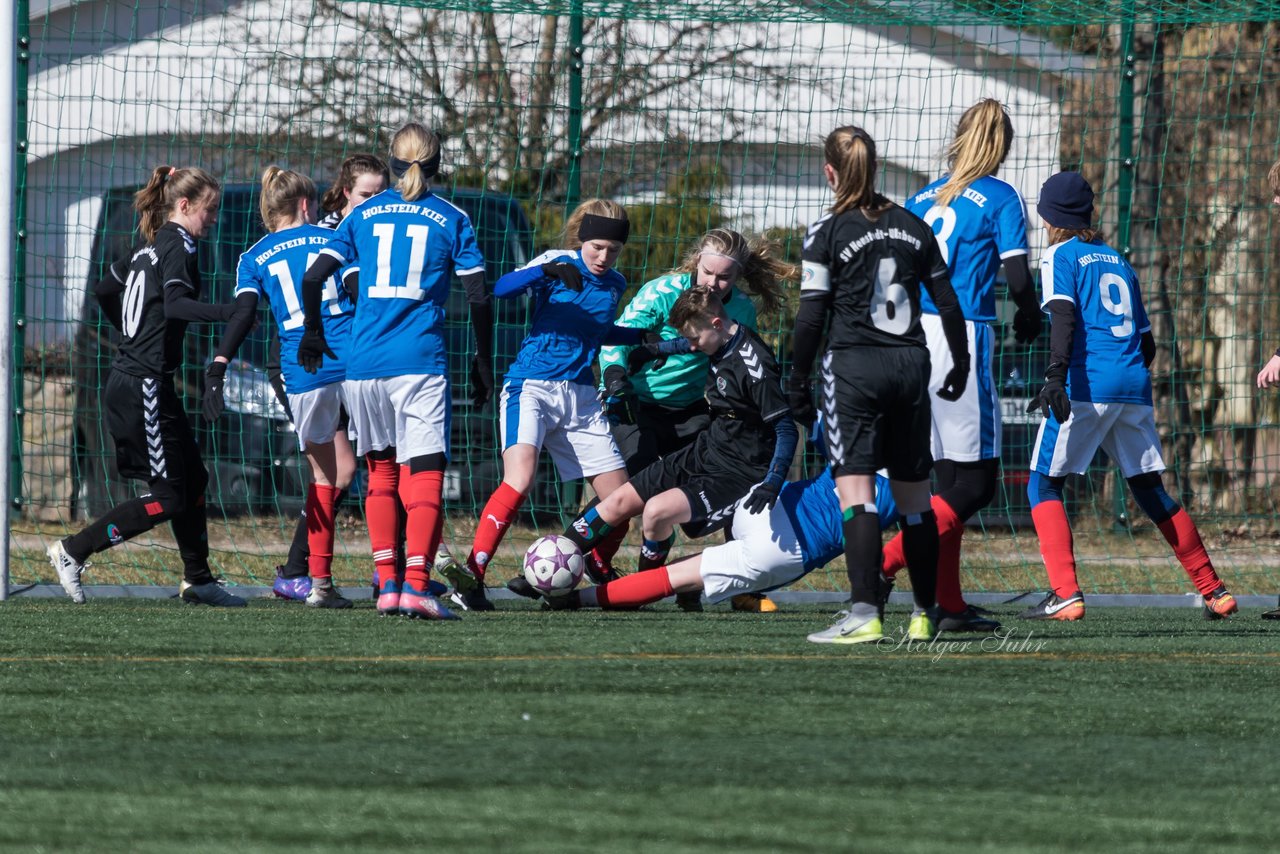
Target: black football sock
[
  {"x": 653, "y": 553},
  {"x": 862, "y": 552},
  {"x": 587, "y": 530},
  {"x": 920, "y": 547}
]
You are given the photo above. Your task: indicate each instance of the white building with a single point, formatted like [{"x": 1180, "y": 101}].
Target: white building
[{"x": 116, "y": 89}]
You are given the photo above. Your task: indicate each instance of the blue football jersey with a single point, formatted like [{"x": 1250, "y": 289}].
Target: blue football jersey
[
  {"x": 407, "y": 253},
  {"x": 980, "y": 228},
  {"x": 814, "y": 509},
  {"x": 568, "y": 326},
  {"x": 273, "y": 269},
  {"x": 1106, "y": 352}
]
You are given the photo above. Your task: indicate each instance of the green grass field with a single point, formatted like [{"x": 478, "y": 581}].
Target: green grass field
[{"x": 151, "y": 726}]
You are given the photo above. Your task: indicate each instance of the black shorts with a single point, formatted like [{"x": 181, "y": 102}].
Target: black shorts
[
  {"x": 658, "y": 431},
  {"x": 875, "y": 409},
  {"x": 712, "y": 482},
  {"x": 152, "y": 434}
]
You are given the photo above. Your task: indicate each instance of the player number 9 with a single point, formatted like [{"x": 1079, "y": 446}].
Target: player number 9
[{"x": 1117, "y": 300}]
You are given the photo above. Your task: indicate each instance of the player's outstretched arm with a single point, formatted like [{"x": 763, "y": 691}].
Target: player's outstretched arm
[{"x": 1269, "y": 376}]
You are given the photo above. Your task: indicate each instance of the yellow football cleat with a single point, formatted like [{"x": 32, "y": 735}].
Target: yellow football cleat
[{"x": 756, "y": 603}]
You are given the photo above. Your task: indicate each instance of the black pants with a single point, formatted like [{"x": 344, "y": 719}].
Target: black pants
[{"x": 659, "y": 430}]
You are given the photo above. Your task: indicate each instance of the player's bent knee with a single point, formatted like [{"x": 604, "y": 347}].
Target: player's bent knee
[{"x": 1148, "y": 490}]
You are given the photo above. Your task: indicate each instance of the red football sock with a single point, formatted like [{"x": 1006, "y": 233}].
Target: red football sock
[
  {"x": 382, "y": 514},
  {"x": 950, "y": 532},
  {"x": 609, "y": 544},
  {"x": 422, "y": 532},
  {"x": 632, "y": 591},
  {"x": 1054, "y": 531},
  {"x": 1181, "y": 533},
  {"x": 894, "y": 559},
  {"x": 498, "y": 514},
  {"x": 320, "y": 503}
]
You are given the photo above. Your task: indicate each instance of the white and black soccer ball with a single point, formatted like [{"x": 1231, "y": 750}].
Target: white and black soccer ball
[{"x": 553, "y": 565}]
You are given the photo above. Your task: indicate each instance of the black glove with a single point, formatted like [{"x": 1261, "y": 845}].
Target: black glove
[
  {"x": 312, "y": 349},
  {"x": 655, "y": 349},
  {"x": 800, "y": 396},
  {"x": 618, "y": 396},
  {"x": 955, "y": 381},
  {"x": 764, "y": 496},
  {"x": 481, "y": 381},
  {"x": 1053, "y": 396},
  {"x": 567, "y": 273},
  {"x": 214, "y": 380},
  {"x": 1027, "y": 326}
]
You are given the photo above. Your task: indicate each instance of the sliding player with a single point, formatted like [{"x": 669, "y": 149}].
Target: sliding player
[
  {"x": 1097, "y": 394},
  {"x": 864, "y": 264}
]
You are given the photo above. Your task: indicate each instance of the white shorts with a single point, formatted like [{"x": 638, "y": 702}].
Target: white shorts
[
  {"x": 1126, "y": 431},
  {"x": 411, "y": 414},
  {"x": 968, "y": 429},
  {"x": 316, "y": 414},
  {"x": 563, "y": 417},
  {"x": 764, "y": 554}
]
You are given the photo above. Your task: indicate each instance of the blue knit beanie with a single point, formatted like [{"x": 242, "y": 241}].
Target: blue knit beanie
[{"x": 1066, "y": 201}]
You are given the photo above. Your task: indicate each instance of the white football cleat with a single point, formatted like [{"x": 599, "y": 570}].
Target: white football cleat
[{"x": 68, "y": 571}]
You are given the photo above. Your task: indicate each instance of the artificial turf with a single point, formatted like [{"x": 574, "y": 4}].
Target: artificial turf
[{"x": 151, "y": 726}]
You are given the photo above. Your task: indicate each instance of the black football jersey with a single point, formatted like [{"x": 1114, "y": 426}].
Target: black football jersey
[
  {"x": 331, "y": 220},
  {"x": 151, "y": 344},
  {"x": 744, "y": 392},
  {"x": 873, "y": 270}
]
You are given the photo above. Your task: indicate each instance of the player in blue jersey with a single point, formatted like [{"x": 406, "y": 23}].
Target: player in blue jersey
[
  {"x": 360, "y": 177},
  {"x": 1097, "y": 394},
  {"x": 980, "y": 224},
  {"x": 407, "y": 243},
  {"x": 771, "y": 548},
  {"x": 549, "y": 396},
  {"x": 273, "y": 269}
]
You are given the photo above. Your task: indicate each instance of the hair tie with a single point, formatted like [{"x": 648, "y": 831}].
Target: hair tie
[
  {"x": 429, "y": 166},
  {"x": 719, "y": 255},
  {"x": 595, "y": 227}
]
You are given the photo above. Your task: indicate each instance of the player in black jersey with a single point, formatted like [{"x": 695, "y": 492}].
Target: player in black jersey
[
  {"x": 361, "y": 177},
  {"x": 150, "y": 297},
  {"x": 747, "y": 448},
  {"x": 864, "y": 263}
]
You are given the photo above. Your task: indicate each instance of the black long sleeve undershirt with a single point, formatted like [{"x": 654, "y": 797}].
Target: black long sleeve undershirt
[
  {"x": 109, "y": 291},
  {"x": 239, "y": 326},
  {"x": 180, "y": 304},
  {"x": 1021, "y": 289},
  {"x": 313, "y": 288},
  {"x": 1062, "y": 330},
  {"x": 811, "y": 323}
]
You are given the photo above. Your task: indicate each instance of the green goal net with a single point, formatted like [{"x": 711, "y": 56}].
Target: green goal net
[{"x": 693, "y": 115}]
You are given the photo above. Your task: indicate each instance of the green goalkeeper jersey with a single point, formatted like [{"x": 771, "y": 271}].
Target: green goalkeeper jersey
[{"x": 683, "y": 379}]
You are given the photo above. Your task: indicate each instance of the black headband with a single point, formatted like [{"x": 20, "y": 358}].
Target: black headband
[
  {"x": 429, "y": 166},
  {"x": 603, "y": 228}
]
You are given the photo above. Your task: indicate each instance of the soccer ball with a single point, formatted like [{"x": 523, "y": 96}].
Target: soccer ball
[{"x": 553, "y": 565}]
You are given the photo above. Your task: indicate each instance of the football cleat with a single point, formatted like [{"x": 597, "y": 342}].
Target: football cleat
[
  {"x": 968, "y": 620},
  {"x": 597, "y": 569},
  {"x": 459, "y": 574},
  {"x": 327, "y": 597},
  {"x": 521, "y": 587},
  {"x": 850, "y": 629},
  {"x": 1054, "y": 607},
  {"x": 570, "y": 601},
  {"x": 68, "y": 571},
  {"x": 1273, "y": 614},
  {"x": 755, "y": 603},
  {"x": 690, "y": 602},
  {"x": 423, "y": 606},
  {"x": 473, "y": 600},
  {"x": 388, "y": 598},
  {"x": 1219, "y": 604},
  {"x": 210, "y": 593},
  {"x": 295, "y": 588},
  {"x": 921, "y": 627}
]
